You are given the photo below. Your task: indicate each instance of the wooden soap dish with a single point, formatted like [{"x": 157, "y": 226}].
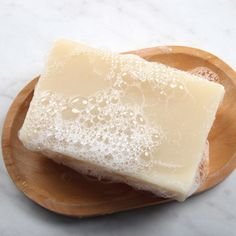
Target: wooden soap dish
[{"x": 62, "y": 190}]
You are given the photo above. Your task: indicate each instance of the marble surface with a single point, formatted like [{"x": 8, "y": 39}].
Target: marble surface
[{"x": 27, "y": 29}]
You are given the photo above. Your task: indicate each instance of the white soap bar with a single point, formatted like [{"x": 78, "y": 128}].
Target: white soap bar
[{"x": 122, "y": 117}]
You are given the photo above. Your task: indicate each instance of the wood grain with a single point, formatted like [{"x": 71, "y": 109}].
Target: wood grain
[{"x": 62, "y": 190}]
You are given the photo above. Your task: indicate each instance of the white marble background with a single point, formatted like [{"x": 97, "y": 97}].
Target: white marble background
[{"x": 27, "y": 29}]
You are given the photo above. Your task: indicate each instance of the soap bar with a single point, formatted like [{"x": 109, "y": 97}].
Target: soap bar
[{"x": 121, "y": 117}]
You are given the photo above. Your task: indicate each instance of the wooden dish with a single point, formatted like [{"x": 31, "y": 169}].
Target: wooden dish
[{"x": 62, "y": 190}]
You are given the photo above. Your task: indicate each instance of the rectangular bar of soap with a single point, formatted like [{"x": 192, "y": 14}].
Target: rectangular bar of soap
[{"x": 122, "y": 117}]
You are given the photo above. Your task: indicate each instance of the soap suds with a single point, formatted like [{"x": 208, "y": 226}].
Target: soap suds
[
  {"x": 203, "y": 170},
  {"x": 206, "y": 73},
  {"x": 98, "y": 128}
]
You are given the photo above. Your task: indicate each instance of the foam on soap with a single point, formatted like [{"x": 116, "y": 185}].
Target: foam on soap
[
  {"x": 84, "y": 123},
  {"x": 122, "y": 117},
  {"x": 206, "y": 73}
]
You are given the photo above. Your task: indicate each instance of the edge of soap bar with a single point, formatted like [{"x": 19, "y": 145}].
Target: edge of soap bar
[{"x": 89, "y": 169}]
